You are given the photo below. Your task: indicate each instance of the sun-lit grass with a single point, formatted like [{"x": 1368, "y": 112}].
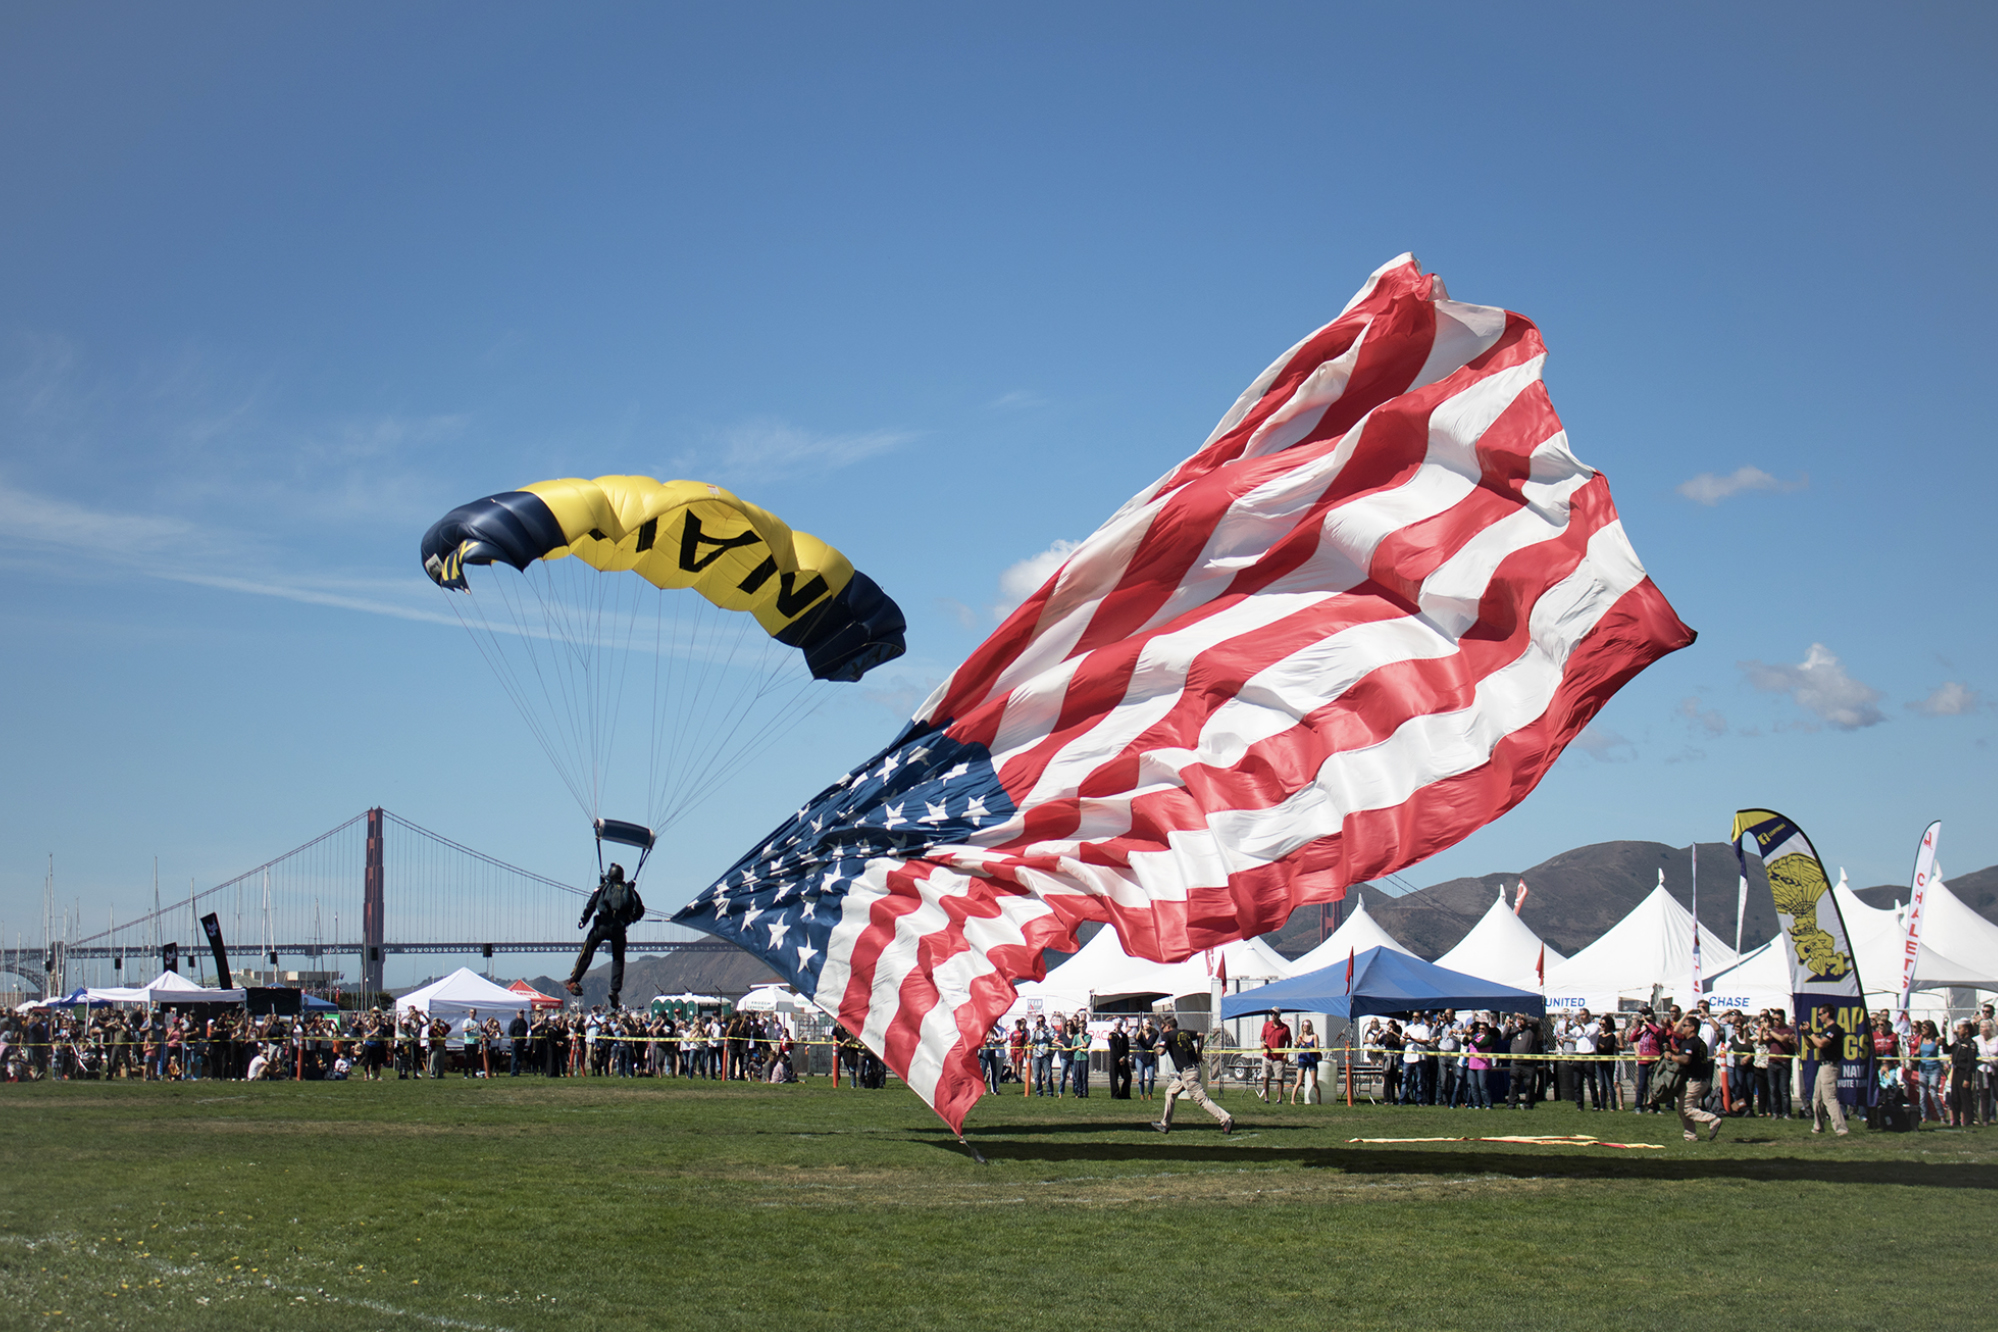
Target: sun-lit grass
[{"x": 606, "y": 1204}]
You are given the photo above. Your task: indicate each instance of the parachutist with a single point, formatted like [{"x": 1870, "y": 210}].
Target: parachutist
[{"x": 615, "y": 904}]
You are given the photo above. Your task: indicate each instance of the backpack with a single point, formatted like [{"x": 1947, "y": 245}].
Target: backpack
[
  {"x": 622, "y": 902},
  {"x": 1894, "y": 1110},
  {"x": 1668, "y": 1081}
]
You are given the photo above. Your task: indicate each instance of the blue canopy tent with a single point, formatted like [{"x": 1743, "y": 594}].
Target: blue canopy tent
[
  {"x": 80, "y": 998},
  {"x": 1384, "y": 981}
]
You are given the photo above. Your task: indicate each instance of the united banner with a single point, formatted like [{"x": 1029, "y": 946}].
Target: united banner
[{"x": 1824, "y": 975}]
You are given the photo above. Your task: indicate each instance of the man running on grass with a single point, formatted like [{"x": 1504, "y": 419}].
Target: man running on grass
[{"x": 1183, "y": 1049}]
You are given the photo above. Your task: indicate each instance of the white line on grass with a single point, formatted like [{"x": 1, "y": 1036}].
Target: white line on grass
[{"x": 76, "y": 1242}]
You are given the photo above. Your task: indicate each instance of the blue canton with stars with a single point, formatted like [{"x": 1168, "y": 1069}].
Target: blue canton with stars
[{"x": 782, "y": 900}]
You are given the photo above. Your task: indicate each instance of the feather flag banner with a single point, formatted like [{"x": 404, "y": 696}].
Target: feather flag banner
[{"x": 1358, "y": 623}]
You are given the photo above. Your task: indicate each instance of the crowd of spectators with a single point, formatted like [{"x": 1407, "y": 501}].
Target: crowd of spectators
[
  {"x": 1607, "y": 1061},
  {"x": 1479, "y": 1061},
  {"x": 222, "y": 1043}
]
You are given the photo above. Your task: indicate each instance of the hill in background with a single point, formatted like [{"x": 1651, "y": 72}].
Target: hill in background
[
  {"x": 1571, "y": 899},
  {"x": 647, "y": 974}
]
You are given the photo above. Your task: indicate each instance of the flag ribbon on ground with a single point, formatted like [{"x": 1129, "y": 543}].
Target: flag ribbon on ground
[{"x": 1358, "y": 623}]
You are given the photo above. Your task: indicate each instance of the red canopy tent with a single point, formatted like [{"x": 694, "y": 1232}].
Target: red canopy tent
[{"x": 533, "y": 996}]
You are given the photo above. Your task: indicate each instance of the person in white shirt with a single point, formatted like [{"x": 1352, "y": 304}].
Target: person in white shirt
[
  {"x": 1452, "y": 1086},
  {"x": 1582, "y": 1041},
  {"x": 1416, "y": 1048},
  {"x": 1987, "y": 1069},
  {"x": 468, "y": 1040},
  {"x": 259, "y": 1064}
]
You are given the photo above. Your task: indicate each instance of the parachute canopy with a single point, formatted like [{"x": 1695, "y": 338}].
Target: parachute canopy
[
  {"x": 683, "y": 534},
  {"x": 644, "y": 695}
]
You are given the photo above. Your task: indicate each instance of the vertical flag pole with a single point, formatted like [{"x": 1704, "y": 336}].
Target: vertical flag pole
[{"x": 1696, "y": 924}]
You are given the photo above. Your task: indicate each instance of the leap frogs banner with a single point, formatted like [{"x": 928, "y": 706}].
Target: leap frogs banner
[{"x": 1824, "y": 976}]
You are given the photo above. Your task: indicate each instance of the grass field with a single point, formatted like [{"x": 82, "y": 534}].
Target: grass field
[{"x": 606, "y": 1204}]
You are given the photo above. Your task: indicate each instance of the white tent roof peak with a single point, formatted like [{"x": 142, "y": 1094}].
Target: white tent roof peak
[
  {"x": 1102, "y": 970},
  {"x": 1653, "y": 945},
  {"x": 1501, "y": 947},
  {"x": 1356, "y": 934},
  {"x": 459, "y": 993}
]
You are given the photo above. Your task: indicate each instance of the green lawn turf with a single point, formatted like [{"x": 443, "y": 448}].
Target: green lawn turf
[{"x": 610, "y": 1204}]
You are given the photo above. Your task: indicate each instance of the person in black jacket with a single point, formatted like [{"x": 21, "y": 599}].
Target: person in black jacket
[
  {"x": 1525, "y": 1072},
  {"x": 615, "y": 904},
  {"x": 1183, "y": 1049},
  {"x": 1120, "y": 1062}
]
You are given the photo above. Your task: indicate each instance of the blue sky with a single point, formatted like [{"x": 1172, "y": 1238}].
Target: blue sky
[{"x": 281, "y": 285}]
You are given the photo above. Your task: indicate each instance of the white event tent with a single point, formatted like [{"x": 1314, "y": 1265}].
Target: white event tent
[
  {"x": 1102, "y": 972},
  {"x": 1957, "y": 931},
  {"x": 1650, "y": 947},
  {"x": 461, "y": 992},
  {"x": 169, "y": 987},
  {"x": 1356, "y": 934},
  {"x": 1762, "y": 978},
  {"x": 1501, "y": 947}
]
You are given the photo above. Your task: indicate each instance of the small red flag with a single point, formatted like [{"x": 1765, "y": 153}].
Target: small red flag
[
  {"x": 1540, "y": 964},
  {"x": 1519, "y": 900},
  {"x": 1349, "y": 969}
]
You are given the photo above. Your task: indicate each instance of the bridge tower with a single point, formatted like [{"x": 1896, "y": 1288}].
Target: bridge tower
[{"x": 372, "y": 934}]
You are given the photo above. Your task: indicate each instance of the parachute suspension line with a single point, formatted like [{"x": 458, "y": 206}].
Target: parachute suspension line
[
  {"x": 708, "y": 712},
  {"x": 486, "y": 638},
  {"x": 567, "y": 655}
]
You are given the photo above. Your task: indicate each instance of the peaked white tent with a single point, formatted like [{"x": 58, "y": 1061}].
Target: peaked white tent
[
  {"x": 1102, "y": 971},
  {"x": 1650, "y": 947},
  {"x": 169, "y": 987},
  {"x": 461, "y": 992},
  {"x": 1356, "y": 934},
  {"x": 1501, "y": 947},
  {"x": 1762, "y": 978},
  {"x": 1879, "y": 944},
  {"x": 1957, "y": 931}
]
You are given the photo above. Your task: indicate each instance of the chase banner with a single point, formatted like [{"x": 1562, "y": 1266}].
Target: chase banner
[{"x": 1824, "y": 976}]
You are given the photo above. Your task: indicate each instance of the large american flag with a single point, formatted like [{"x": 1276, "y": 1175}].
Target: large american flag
[{"x": 1358, "y": 624}]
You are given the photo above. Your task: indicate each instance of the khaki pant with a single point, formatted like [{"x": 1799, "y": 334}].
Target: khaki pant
[
  {"x": 1691, "y": 1114},
  {"x": 1186, "y": 1083},
  {"x": 1824, "y": 1092}
]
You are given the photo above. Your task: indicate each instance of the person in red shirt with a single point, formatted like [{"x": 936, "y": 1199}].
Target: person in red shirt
[{"x": 1276, "y": 1056}]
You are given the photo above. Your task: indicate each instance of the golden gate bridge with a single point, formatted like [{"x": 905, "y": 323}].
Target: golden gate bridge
[{"x": 374, "y": 886}]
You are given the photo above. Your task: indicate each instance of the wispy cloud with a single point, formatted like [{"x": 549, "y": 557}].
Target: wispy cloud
[
  {"x": 1820, "y": 686},
  {"x": 766, "y": 449},
  {"x": 1950, "y": 699},
  {"x": 1603, "y": 745},
  {"x": 1018, "y": 400},
  {"x": 1706, "y": 720},
  {"x": 182, "y": 552},
  {"x": 1708, "y": 488},
  {"x": 1023, "y": 579},
  {"x": 957, "y": 610}
]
